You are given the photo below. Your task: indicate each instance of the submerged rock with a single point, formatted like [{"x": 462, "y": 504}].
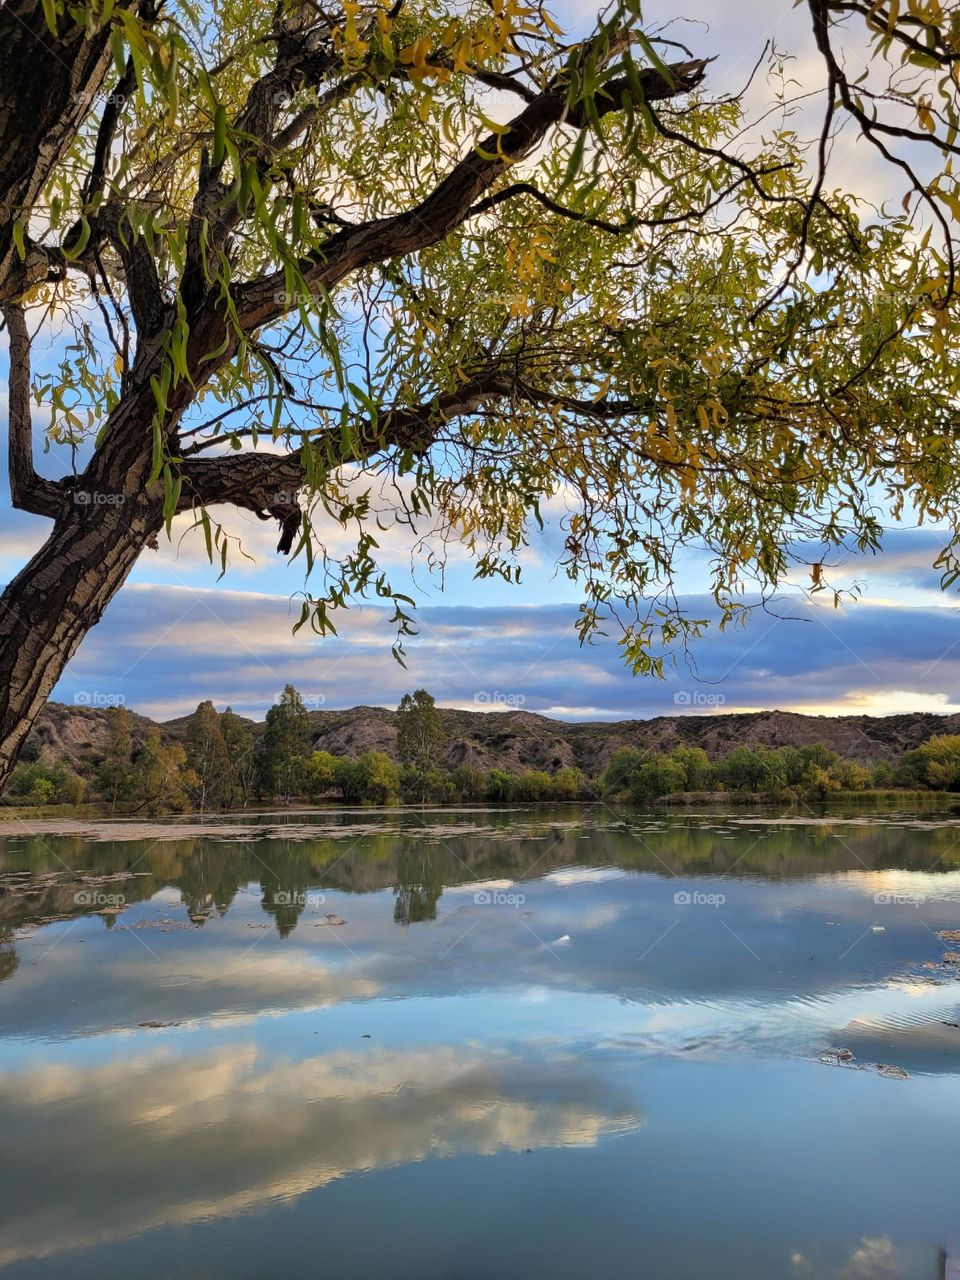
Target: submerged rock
[
  {"x": 892, "y": 1073},
  {"x": 837, "y": 1057}
]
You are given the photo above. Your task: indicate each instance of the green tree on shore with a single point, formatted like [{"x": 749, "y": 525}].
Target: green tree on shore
[
  {"x": 935, "y": 764},
  {"x": 241, "y": 760},
  {"x": 207, "y": 755},
  {"x": 372, "y": 778},
  {"x": 319, "y": 774},
  {"x": 420, "y": 734},
  {"x": 114, "y": 774},
  {"x": 420, "y": 742},
  {"x": 285, "y": 746},
  {"x": 162, "y": 782}
]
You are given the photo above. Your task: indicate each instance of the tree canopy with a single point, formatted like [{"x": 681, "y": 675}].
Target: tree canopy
[
  {"x": 447, "y": 267},
  {"x": 420, "y": 735}
]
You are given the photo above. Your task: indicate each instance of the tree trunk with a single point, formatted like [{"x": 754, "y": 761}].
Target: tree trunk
[
  {"x": 48, "y": 87},
  {"x": 54, "y": 601}
]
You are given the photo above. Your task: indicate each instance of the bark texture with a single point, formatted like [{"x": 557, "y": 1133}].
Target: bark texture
[
  {"x": 48, "y": 86},
  {"x": 55, "y": 600}
]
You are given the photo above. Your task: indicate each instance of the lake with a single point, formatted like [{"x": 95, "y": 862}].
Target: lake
[{"x": 488, "y": 1043}]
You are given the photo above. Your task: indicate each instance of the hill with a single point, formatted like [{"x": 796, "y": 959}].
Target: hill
[{"x": 516, "y": 740}]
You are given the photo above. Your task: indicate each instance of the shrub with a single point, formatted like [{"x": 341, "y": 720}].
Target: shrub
[{"x": 371, "y": 777}]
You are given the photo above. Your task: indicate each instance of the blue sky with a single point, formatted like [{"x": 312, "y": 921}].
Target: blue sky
[{"x": 176, "y": 635}]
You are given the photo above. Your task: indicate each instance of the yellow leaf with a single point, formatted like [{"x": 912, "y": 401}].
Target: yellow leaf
[{"x": 415, "y": 54}]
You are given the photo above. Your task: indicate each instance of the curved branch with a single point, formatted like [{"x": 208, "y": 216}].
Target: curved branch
[
  {"x": 615, "y": 228},
  {"x": 261, "y": 301},
  {"x": 28, "y": 491},
  {"x": 268, "y": 484}
]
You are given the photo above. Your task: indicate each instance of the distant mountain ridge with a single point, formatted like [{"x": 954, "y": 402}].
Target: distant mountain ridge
[{"x": 517, "y": 740}]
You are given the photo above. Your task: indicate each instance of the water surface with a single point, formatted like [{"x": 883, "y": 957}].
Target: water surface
[{"x": 481, "y": 1044}]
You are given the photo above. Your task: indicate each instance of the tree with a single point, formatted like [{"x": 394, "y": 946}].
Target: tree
[
  {"x": 42, "y": 790},
  {"x": 753, "y": 769},
  {"x": 531, "y": 785},
  {"x": 381, "y": 777},
  {"x": 207, "y": 754},
  {"x": 467, "y": 782},
  {"x": 300, "y": 225},
  {"x": 420, "y": 739},
  {"x": 372, "y": 777},
  {"x": 115, "y": 772},
  {"x": 420, "y": 735},
  {"x": 659, "y": 777},
  {"x": 161, "y": 780},
  {"x": 427, "y": 786},
  {"x": 851, "y": 775},
  {"x": 819, "y": 782},
  {"x": 884, "y": 775},
  {"x": 241, "y": 761},
  {"x": 936, "y": 762},
  {"x": 817, "y": 754},
  {"x": 285, "y": 745},
  {"x": 697, "y": 770},
  {"x": 500, "y": 785},
  {"x": 319, "y": 773},
  {"x": 569, "y": 783},
  {"x": 621, "y": 767},
  {"x": 41, "y": 783}
]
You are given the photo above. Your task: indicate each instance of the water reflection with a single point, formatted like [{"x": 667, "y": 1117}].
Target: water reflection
[
  {"x": 468, "y": 1010},
  {"x": 40, "y": 876},
  {"x": 172, "y": 1140}
]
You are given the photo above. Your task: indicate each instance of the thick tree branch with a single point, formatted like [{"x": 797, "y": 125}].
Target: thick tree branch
[
  {"x": 107, "y": 131},
  {"x": 139, "y": 269},
  {"x": 304, "y": 58},
  {"x": 261, "y": 301},
  {"x": 48, "y": 86},
  {"x": 268, "y": 484},
  {"x": 28, "y": 491}
]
